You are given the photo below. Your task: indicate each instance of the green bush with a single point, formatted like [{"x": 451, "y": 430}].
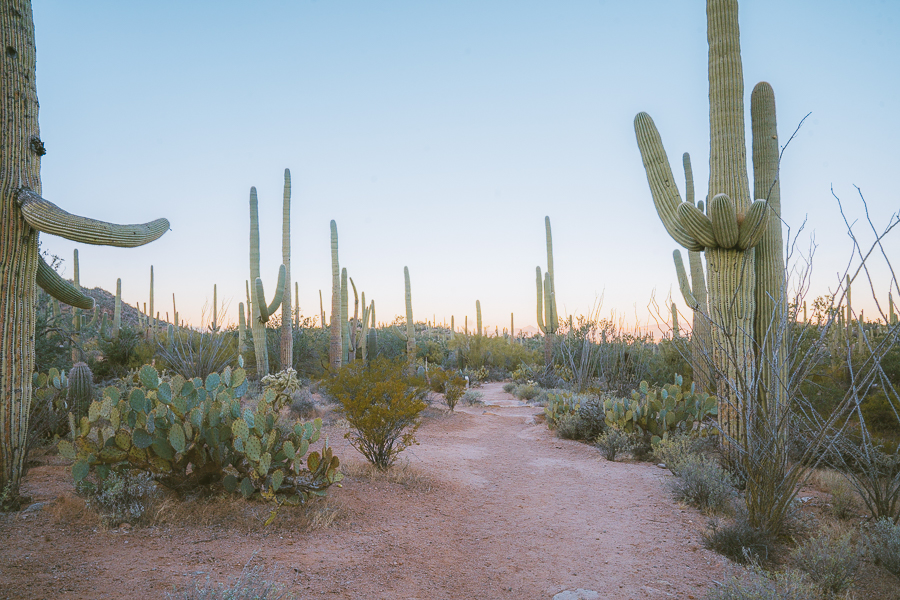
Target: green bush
[
  {"x": 382, "y": 405},
  {"x": 189, "y": 433},
  {"x": 509, "y": 387},
  {"x": 472, "y": 397},
  {"x": 675, "y": 449},
  {"x": 882, "y": 542},
  {"x": 448, "y": 383},
  {"x": 121, "y": 354},
  {"x": 613, "y": 442},
  {"x": 703, "y": 483},
  {"x": 740, "y": 541},
  {"x": 830, "y": 560},
  {"x": 527, "y": 392},
  {"x": 880, "y": 414}
]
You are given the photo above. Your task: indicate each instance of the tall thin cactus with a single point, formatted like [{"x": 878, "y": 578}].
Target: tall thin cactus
[
  {"x": 345, "y": 324},
  {"x": 261, "y": 310},
  {"x": 547, "y": 317},
  {"x": 287, "y": 335},
  {"x": 335, "y": 351},
  {"x": 410, "y": 326},
  {"x": 117, "y": 312},
  {"x": 76, "y": 312},
  {"x": 478, "y": 318}
]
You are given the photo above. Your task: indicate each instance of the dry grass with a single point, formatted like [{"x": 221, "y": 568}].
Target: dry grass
[
  {"x": 845, "y": 502},
  {"x": 73, "y": 510},
  {"x": 401, "y": 473}
]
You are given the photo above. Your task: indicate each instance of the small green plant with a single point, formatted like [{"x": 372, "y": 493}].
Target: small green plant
[
  {"x": 759, "y": 585},
  {"x": 123, "y": 497},
  {"x": 571, "y": 426},
  {"x": 509, "y": 387},
  {"x": 882, "y": 542},
  {"x": 613, "y": 442},
  {"x": 527, "y": 392},
  {"x": 559, "y": 404},
  {"x": 451, "y": 385},
  {"x": 830, "y": 560},
  {"x": 674, "y": 450},
  {"x": 382, "y": 405},
  {"x": 472, "y": 397},
  {"x": 703, "y": 483}
]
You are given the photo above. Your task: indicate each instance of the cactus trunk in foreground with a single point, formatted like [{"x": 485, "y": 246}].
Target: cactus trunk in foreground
[
  {"x": 287, "y": 336},
  {"x": 23, "y": 215}
]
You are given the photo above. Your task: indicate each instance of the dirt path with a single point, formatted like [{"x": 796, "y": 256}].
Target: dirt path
[{"x": 510, "y": 512}]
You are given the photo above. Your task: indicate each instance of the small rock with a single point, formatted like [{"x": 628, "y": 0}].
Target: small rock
[
  {"x": 36, "y": 507},
  {"x": 661, "y": 465},
  {"x": 578, "y": 594}
]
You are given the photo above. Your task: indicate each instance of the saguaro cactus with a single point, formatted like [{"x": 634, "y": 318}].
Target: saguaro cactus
[
  {"x": 287, "y": 335},
  {"x": 261, "y": 310},
  {"x": 117, "y": 312},
  {"x": 410, "y": 326},
  {"x": 732, "y": 226},
  {"x": 547, "y": 318},
  {"x": 345, "y": 324},
  {"x": 76, "y": 312},
  {"x": 478, "y": 317},
  {"x": 335, "y": 351},
  {"x": 23, "y": 215}
]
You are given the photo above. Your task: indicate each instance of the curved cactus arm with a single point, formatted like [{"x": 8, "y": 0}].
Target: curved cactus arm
[
  {"x": 279, "y": 291},
  {"x": 754, "y": 225},
  {"x": 688, "y": 178},
  {"x": 551, "y": 321},
  {"x": 263, "y": 309},
  {"x": 540, "y": 300},
  {"x": 50, "y": 281},
  {"x": 683, "y": 282},
  {"x": 662, "y": 183},
  {"x": 45, "y": 216}
]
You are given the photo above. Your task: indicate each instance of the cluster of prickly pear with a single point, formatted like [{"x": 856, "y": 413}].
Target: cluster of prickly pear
[
  {"x": 559, "y": 405},
  {"x": 192, "y": 432},
  {"x": 50, "y": 388},
  {"x": 657, "y": 412},
  {"x": 80, "y": 389}
]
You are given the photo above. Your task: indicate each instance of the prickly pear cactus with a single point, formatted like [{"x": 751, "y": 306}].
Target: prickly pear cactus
[
  {"x": 659, "y": 412},
  {"x": 190, "y": 432}
]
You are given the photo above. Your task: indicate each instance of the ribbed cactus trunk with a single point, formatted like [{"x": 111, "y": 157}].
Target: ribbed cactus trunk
[
  {"x": 335, "y": 353},
  {"x": 410, "y": 326},
  {"x": 151, "y": 323},
  {"x": 215, "y": 312},
  {"x": 20, "y": 165},
  {"x": 478, "y": 318},
  {"x": 547, "y": 317},
  {"x": 23, "y": 214},
  {"x": 345, "y": 325},
  {"x": 322, "y": 310},
  {"x": 257, "y": 326},
  {"x": 287, "y": 334},
  {"x": 351, "y": 355},
  {"x": 76, "y": 312},
  {"x": 117, "y": 313},
  {"x": 242, "y": 328}
]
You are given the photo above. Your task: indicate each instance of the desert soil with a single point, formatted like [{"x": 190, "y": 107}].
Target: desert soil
[{"x": 493, "y": 506}]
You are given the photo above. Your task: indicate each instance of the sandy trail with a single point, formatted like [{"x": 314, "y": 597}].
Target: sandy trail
[{"x": 512, "y": 512}]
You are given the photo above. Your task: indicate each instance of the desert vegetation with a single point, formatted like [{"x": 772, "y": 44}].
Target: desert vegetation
[{"x": 772, "y": 417}]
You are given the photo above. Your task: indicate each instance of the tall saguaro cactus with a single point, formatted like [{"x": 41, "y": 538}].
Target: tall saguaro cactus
[
  {"x": 738, "y": 275},
  {"x": 335, "y": 351},
  {"x": 478, "y": 318},
  {"x": 410, "y": 325},
  {"x": 261, "y": 310},
  {"x": 287, "y": 334},
  {"x": 547, "y": 318},
  {"x": 345, "y": 323},
  {"x": 23, "y": 215}
]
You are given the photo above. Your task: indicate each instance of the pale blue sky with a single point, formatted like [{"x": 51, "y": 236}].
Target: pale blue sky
[{"x": 438, "y": 135}]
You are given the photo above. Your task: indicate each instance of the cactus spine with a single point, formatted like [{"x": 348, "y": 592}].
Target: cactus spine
[
  {"x": 548, "y": 320},
  {"x": 261, "y": 310},
  {"x": 335, "y": 351},
  {"x": 410, "y": 327},
  {"x": 287, "y": 334},
  {"x": 733, "y": 226}
]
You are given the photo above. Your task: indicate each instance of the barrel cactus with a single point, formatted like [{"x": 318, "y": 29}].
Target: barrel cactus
[{"x": 81, "y": 389}]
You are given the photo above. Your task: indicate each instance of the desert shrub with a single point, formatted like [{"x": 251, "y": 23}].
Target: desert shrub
[
  {"x": 448, "y": 383},
  {"x": 121, "y": 354},
  {"x": 122, "y": 497},
  {"x": 382, "y": 405},
  {"x": 829, "y": 559},
  {"x": 472, "y": 397},
  {"x": 571, "y": 427},
  {"x": 882, "y": 541},
  {"x": 526, "y": 392},
  {"x": 875, "y": 475},
  {"x": 674, "y": 450},
  {"x": 613, "y": 442},
  {"x": 758, "y": 585},
  {"x": 592, "y": 416},
  {"x": 559, "y": 404},
  {"x": 509, "y": 387},
  {"x": 843, "y": 495},
  {"x": 740, "y": 541},
  {"x": 310, "y": 349},
  {"x": 303, "y": 405},
  {"x": 880, "y": 413},
  {"x": 189, "y": 433},
  {"x": 703, "y": 483},
  {"x": 251, "y": 584},
  {"x": 197, "y": 353}
]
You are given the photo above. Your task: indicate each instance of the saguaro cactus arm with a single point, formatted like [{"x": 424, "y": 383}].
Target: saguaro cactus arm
[
  {"x": 45, "y": 216},
  {"x": 265, "y": 311},
  {"x": 50, "y": 281},
  {"x": 683, "y": 284}
]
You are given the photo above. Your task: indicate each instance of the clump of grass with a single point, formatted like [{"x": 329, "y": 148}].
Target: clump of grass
[
  {"x": 400, "y": 473},
  {"x": 472, "y": 397},
  {"x": 675, "y": 449},
  {"x": 758, "y": 585},
  {"x": 843, "y": 496},
  {"x": 703, "y": 483},
  {"x": 613, "y": 442},
  {"x": 252, "y": 584},
  {"x": 882, "y": 542},
  {"x": 740, "y": 541},
  {"x": 830, "y": 560},
  {"x": 509, "y": 387},
  {"x": 570, "y": 426},
  {"x": 303, "y": 405}
]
